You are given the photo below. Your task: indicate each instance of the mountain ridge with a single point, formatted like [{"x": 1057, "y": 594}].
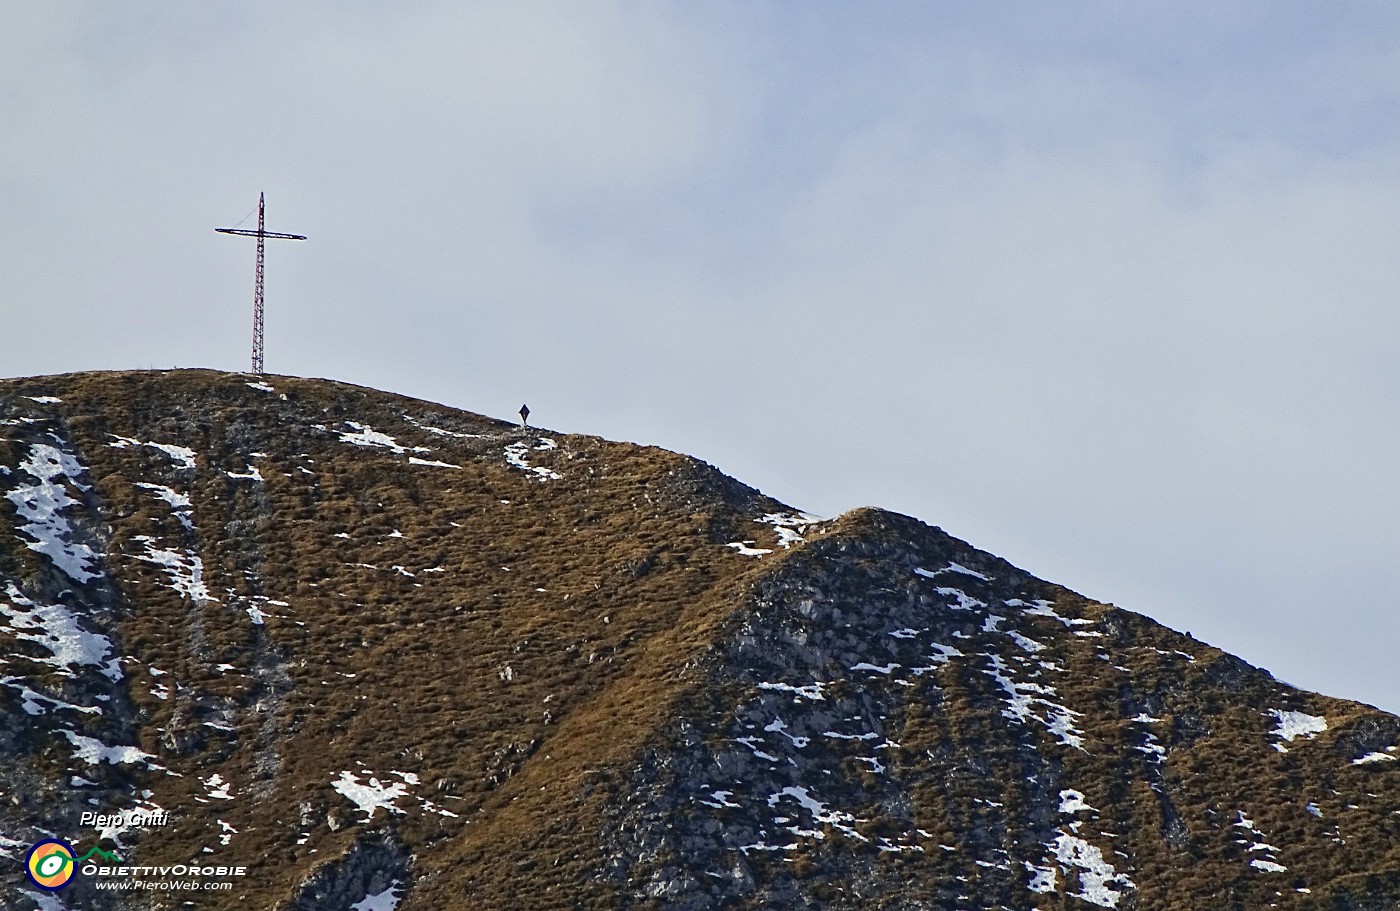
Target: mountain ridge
[{"x": 387, "y": 651}]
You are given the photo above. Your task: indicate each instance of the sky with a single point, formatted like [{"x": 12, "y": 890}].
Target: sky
[{"x": 1106, "y": 289}]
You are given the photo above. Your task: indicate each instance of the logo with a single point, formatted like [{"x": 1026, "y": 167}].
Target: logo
[{"x": 50, "y": 864}]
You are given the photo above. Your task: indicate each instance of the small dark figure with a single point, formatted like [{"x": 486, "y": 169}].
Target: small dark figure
[{"x": 524, "y": 416}]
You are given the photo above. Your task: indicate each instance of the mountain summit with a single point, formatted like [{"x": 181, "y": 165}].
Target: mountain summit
[{"x": 295, "y": 644}]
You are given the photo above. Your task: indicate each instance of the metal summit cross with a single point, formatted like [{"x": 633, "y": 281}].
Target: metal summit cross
[{"x": 261, "y": 234}]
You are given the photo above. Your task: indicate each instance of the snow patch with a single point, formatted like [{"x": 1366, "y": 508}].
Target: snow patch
[
  {"x": 1072, "y": 801},
  {"x": 788, "y": 526},
  {"x": 56, "y": 628},
  {"x": 186, "y": 571},
  {"x": 943, "y": 653},
  {"x": 1268, "y": 864},
  {"x": 1023, "y": 698},
  {"x": 218, "y": 788},
  {"x": 1097, "y": 878},
  {"x": 751, "y": 742},
  {"x": 1297, "y": 724},
  {"x": 387, "y": 900},
  {"x": 952, "y": 568},
  {"x": 438, "y": 431},
  {"x": 364, "y": 435},
  {"x": 1042, "y": 608},
  {"x": 515, "y": 458},
  {"x": 820, "y": 814},
  {"x": 720, "y": 799},
  {"x": 1373, "y": 757},
  {"x": 1042, "y": 878},
  {"x": 228, "y": 833},
  {"x": 431, "y": 463},
  {"x": 779, "y": 727},
  {"x": 36, "y": 703},
  {"x": 965, "y": 601},
  {"x": 762, "y": 846},
  {"x": 182, "y": 456},
  {"x": 886, "y": 670},
  {"x": 1025, "y": 642},
  {"x": 812, "y": 691},
  {"x": 370, "y": 795},
  {"x": 179, "y": 503},
  {"x": 41, "y": 506},
  {"x": 93, "y": 751}
]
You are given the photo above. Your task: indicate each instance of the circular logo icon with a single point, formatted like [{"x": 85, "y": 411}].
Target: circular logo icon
[{"x": 50, "y": 864}]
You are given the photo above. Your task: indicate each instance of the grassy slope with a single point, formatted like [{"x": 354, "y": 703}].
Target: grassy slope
[
  {"x": 523, "y": 711},
  {"x": 623, "y": 544}
]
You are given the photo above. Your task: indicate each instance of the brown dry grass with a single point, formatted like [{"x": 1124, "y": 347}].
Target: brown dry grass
[
  {"x": 377, "y": 660},
  {"x": 630, "y": 572}
]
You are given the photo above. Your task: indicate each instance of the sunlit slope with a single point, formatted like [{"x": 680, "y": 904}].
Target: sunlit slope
[{"x": 383, "y": 652}]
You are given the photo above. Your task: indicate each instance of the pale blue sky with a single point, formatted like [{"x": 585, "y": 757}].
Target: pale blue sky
[{"x": 1108, "y": 290}]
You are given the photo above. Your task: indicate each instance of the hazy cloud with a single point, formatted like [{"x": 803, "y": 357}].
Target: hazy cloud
[{"x": 1107, "y": 290}]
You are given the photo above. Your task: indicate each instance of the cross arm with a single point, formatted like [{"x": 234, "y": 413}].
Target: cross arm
[{"x": 247, "y": 233}]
